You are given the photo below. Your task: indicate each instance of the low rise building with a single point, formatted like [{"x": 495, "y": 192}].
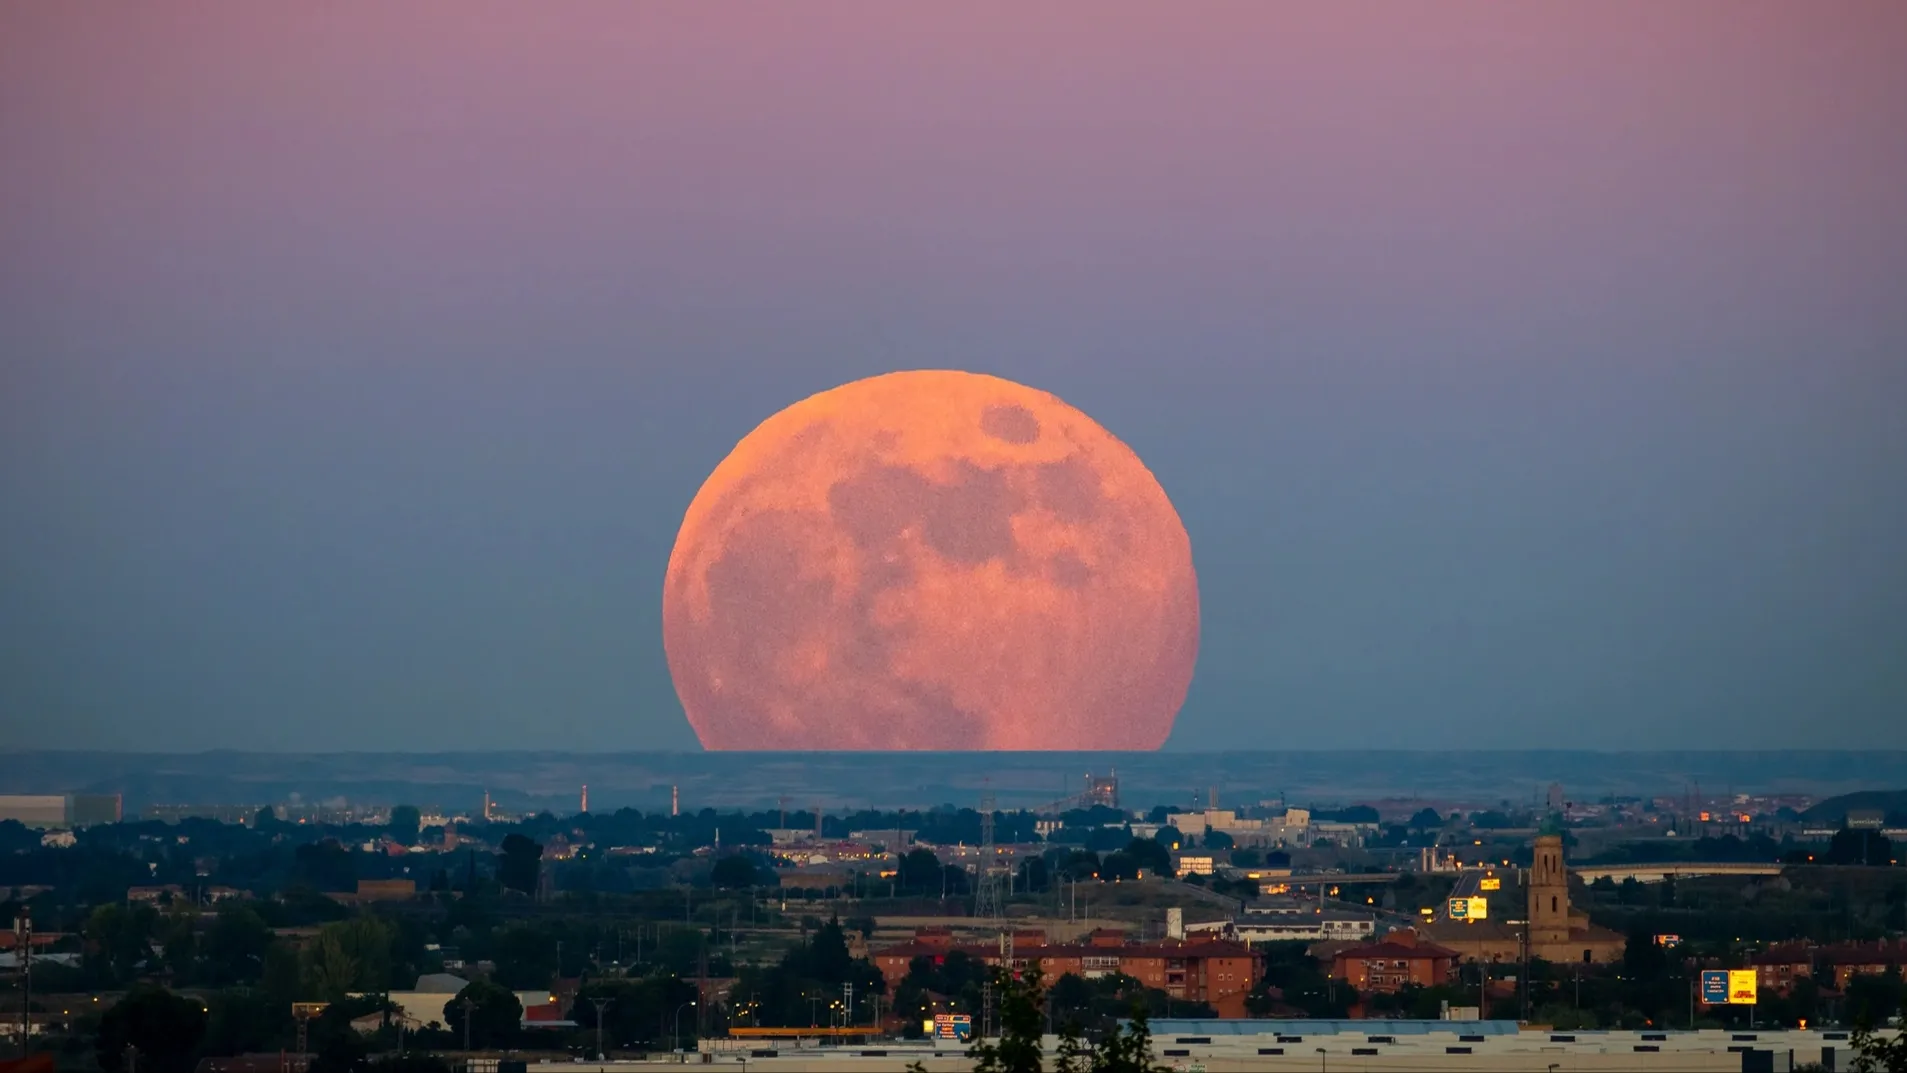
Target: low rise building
[
  {"x": 1779, "y": 968},
  {"x": 1219, "y": 973},
  {"x": 1260, "y": 924},
  {"x": 1397, "y": 961}
]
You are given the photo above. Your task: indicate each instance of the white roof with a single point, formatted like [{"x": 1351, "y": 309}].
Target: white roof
[{"x": 441, "y": 983}]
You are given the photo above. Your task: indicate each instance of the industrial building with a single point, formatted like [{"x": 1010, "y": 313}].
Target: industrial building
[
  {"x": 1305, "y": 1046},
  {"x": 56, "y": 812}
]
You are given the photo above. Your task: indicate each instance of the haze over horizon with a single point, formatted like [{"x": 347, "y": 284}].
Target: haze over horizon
[{"x": 1524, "y": 377}]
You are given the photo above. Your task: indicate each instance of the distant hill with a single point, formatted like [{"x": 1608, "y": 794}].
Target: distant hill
[{"x": 1835, "y": 809}]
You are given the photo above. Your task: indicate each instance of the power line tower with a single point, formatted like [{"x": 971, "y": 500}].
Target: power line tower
[{"x": 988, "y": 899}]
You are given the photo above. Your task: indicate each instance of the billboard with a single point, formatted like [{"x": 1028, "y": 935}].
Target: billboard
[
  {"x": 1469, "y": 908},
  {"x": 1729, "y": 987},
  {"x": 957, "y": 1026}
]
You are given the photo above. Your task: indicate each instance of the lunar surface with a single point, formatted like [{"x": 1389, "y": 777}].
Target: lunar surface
[{"x": 931, "y": 560}]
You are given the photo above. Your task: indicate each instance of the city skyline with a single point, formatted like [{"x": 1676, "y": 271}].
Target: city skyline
[{"x": 1521, "y": 377}]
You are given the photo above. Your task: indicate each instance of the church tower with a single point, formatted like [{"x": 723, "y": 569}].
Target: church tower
[{"x": 1549, "y": 893}]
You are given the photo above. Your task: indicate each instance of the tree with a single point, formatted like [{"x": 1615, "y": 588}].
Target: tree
[
  {"x": 1244, "y": 888},
  {"x": 1426, "y": 819},
  {"x": 404, "y": 825},
  {"x": 918, "y": 872},
  {"x": 235, "y": 945},
  {"x": 349, "y": 955},
  {"x": 495, "y": 1015},
  {"x": 735, "y": 872},
  {"x": 1150, "y": 855},
  {"x": 117, "y": 940},
  {"x": 1022, "y": 1021},
  {"x": 162, "y": 1028},
  {"x": 1127, "y": 1049},
  {"x": 520, "y": 864},
  {"x": 1872, "y": 1054},
  {"x": 636, "y": 1010},
  {"x": 243, "y": 1020},
  {"x": 336, "y": 1047},
  {"x": 1072, "y": 1055},
  {"x": 1873, "y": 999},
  {"x": 1218, "y": 840},
  {"x": 1850, "y": 846},
  {"x": 1035, "y": 874},
  {"x": 526, "y": 958},
  {"x": 325, "y": 866}
]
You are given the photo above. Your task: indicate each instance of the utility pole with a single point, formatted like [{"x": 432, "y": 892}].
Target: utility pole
[
  {"x": 469, "y": 1004},
  {"x": 23, "y": 931}
]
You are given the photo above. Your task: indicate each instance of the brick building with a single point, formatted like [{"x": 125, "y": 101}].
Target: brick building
[
  {"x": 1398, "y": 960},
  {"x": 1211, "y": 971},
  {"x": 1779, "y": 968}
]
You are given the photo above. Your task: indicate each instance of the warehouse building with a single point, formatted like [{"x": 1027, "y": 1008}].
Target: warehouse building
[{"x": 56, "y": 812}]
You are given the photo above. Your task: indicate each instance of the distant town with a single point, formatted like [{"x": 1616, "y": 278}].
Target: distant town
[{"x": 285, "y": 934}]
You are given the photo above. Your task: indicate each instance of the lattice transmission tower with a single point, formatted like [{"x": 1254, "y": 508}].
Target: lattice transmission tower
[{"x": 989, "y": 897}]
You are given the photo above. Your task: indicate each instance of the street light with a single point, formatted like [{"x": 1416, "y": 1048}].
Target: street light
[
  {"x": 601, "y": 1004},
  {"x": 675, "y": 1034}
]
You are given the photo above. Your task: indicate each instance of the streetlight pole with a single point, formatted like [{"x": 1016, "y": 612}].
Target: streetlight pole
[
  {"x": 675, "y": 1034},
  {"x": 601, "y": 1004},
  {"x": 469, "y": 1004}
]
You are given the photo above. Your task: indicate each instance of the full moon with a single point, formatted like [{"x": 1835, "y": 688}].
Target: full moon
[{"x": 931, "y": 560}]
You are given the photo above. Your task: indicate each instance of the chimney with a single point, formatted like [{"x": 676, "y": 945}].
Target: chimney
[
  {"x": 675, "y": 801},
  {"x": 585, "y": 797}
]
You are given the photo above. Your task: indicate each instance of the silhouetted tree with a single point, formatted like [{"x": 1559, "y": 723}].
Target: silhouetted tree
[
  {"x": 404, "y": 825},
  {"x": 163, "y": 1028},
  {"x": 1022, "y": 1021},
  {"x": 735, "y": 872},
  {"x": 520, "y": 864},
  {"x": 494, "y": 1012}
]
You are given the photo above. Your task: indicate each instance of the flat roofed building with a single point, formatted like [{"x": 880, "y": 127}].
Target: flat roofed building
[
  {"x": 60, "y": 811},
  {"x": 34, "y": 810}
]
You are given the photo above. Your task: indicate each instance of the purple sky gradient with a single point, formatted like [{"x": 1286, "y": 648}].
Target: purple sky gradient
[{"x": 1535, "y": 371}]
